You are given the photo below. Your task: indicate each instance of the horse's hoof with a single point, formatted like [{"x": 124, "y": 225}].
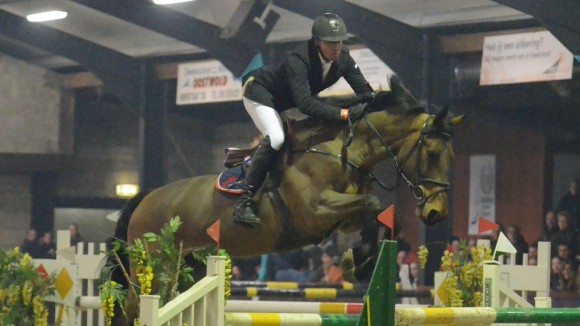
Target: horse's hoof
[
  {"x": 347, "y": 265},
  {"x": 374, "y": 206}
]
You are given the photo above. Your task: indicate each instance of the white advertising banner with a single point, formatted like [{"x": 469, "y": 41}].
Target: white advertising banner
[
  {"x": 206, "y": 82},
  {"x": 375, "y": 71},
  {"x": 481, "y": 190},
  {"x": 523, "y": 58}
]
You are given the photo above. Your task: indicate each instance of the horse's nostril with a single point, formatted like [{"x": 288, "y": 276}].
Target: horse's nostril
[{"x": 433, "y": 217}]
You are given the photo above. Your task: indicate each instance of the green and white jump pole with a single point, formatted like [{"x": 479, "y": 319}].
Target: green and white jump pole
[
  {"x": 379, "y": 304},
  {"x": 379, "y": 308}
]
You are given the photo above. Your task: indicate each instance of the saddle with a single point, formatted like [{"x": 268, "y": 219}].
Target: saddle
[{"x": 300, "y": 135}]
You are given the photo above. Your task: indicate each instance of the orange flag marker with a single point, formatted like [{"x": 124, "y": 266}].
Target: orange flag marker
[
  {"x": 214, "y": 232},
  {"x": 387, "y": 217},
  {"x": 486, "y": 225}
]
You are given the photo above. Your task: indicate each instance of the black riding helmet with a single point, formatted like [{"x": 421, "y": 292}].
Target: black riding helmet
[{"x": 329, "y": 27}]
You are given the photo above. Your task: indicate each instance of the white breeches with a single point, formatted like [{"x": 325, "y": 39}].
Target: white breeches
[{"x": 267, "y": 120}]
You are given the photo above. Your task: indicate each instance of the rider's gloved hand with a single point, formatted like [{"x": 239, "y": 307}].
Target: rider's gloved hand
[
  {"x": 368, "y": 97},
  {"x": 356, "y": 112}
]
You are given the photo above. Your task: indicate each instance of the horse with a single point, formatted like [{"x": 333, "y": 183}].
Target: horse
[{"x": 321, "y": 187}]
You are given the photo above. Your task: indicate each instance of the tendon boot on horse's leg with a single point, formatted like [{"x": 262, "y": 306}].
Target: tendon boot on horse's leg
[
  {"x": 358, "y": 262},
  {"x": 262, "y": 161}
]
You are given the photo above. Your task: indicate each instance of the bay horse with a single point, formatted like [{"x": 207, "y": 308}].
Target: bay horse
[{"x": 324, "y": 186}]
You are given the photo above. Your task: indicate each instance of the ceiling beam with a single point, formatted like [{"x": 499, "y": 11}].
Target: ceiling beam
[
  {"x": 559, "y": 17},
  {"x": 234, "y": 55},
  {"x": 66, "y": 45},
  {"x": 119, "y": 72},
  {"x": 397, "y": 44}
]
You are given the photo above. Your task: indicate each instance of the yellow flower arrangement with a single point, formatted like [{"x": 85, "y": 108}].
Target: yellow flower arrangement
[
  {"x": 228, "y": 278},
  {"x": 463, "y": 285},
  {"x": 22, "y": 290}
]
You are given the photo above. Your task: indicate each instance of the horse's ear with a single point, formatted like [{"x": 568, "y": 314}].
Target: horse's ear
[
  {"x": 456, "y": 120},
  {"x": 439, "y": 120}
]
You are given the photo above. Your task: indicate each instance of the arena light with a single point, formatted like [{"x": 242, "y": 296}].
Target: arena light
[
  {"x": 46, "y": 16},
  {"x": 168, "y": 2},
  {"x": 127, "y": 190}
]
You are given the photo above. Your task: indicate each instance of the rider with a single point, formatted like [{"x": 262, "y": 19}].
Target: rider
[{"x": 307, "y": 70}]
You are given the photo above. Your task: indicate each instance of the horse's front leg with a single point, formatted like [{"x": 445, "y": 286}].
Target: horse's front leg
[
  {"x": 351, "y": 210},
  {"x": 358, "y": 212}
]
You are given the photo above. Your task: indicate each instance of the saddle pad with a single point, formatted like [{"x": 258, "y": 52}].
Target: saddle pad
[{"x": 227, "y": 181}]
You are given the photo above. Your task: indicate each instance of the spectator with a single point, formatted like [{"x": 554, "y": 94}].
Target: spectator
[
  {"x": 568, "y": 279},
  {"x": 246, "y": 269},
  {"x": 414, "y": 273},
  {"x": 533, "y": 254},
  {"x": 494, "y": 236},
  {"x": 46, "y": 247},
  {"x": 296, "y": 270},
  {"x": 565, "y": 234},
  {"x": 30, "y": 244},
  {"x": 555, "y": 274},
  {"x": 75, "y": 235},
  {"x": 236, "y": 273},
  {"x": 550, "y": 226},
  {"x": 330, "y": 269},
  {"x": 472, "y": 242},
  {"x": 570, "y": 202},
  {"x": 515, "y": 236},
  {"x": 564, "y": 253},
  {"x": 454, "y": 245}
]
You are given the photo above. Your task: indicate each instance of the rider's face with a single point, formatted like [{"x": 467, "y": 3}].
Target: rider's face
[{"x": 330, "y": 50}]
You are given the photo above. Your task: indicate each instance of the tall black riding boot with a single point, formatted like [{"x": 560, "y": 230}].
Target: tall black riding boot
[{"x": 262, "y": 161}]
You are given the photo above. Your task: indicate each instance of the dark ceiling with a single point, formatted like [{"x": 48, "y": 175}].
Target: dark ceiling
[{"x": 116, "y": 40}]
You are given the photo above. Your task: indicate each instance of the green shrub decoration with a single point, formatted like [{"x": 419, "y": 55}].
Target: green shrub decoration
[{"x": 158, "y": 260}]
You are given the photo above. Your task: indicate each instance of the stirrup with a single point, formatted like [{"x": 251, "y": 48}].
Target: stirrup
[
  {"x": 248, "y": 221},
  {"x": 246, "y": 215}
]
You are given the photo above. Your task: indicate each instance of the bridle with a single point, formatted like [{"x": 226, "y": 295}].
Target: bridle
[{"x": 418, "y": 188}]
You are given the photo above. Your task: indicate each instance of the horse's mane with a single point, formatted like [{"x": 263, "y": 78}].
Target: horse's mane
[{"x": 397, "y": 100}]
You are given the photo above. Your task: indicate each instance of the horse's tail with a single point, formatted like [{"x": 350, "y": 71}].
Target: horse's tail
[
  {"x": 123, "y": 223},
  {"x": 115, "y": 272},
  {"x": 121, "y": 235}
]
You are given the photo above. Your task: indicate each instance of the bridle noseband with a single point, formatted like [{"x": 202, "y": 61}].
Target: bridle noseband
[{"x": 417, "y": 189}]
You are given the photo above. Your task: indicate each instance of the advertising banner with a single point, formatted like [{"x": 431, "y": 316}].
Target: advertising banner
[
  {"x": 523, "y": 58},
  {"x": 206, "y": 82},
  {"x": 481, "y": 190}
]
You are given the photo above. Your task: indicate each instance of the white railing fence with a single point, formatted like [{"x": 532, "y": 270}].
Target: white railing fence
[
  {"x": 77, "y": 278},
  {"x": 202, "y": 305}
]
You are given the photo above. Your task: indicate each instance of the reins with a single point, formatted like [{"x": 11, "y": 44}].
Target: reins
[{"x": 417, "y": 189}]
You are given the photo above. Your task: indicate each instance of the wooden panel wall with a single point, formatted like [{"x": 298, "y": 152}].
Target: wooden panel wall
[{"x": 520, "y": 173}]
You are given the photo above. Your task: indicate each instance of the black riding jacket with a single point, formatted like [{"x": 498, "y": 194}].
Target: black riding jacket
[{"x": 298, "y": 79}]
